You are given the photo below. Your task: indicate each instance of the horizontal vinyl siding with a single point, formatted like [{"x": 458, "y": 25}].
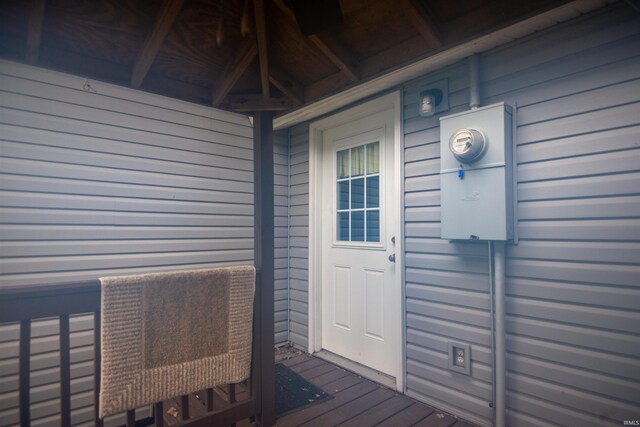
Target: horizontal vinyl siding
[
  {"x": 113, "y": 181},
  {"x": 446, "y": 284},
  {"x": 105, "y": 183},
  {"x": 281, "y": 220},
  {"x": 573, "y": 295},
  {"x": 299, "y": 235}
]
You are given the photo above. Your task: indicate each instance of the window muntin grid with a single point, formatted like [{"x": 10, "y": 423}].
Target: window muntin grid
[{"x": 358, "y": 194}]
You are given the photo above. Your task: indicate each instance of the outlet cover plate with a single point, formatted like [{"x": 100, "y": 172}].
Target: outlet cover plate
[{"x": 461, "y": 366}]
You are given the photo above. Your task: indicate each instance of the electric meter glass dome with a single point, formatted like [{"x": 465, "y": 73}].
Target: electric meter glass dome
[{"x": 467, "y": 144}]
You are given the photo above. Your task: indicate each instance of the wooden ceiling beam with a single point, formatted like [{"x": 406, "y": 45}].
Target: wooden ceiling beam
[
  {"x": 233, "y": 71},
  {"x": 263, "y": 56},
  {"x": 424, "y": 24},
  {"x": 328, "y": 45},
  {"x": 163, "y": 23},
  {"x": 326, "y": 86},
  {"x": 256, "y": 102},
  {"x": 286, "y": 84},
  {"x": 337, "y": 54},
  {"x": 34, "y": 30}
]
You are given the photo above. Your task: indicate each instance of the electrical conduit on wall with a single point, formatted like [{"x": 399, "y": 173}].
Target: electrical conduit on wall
[{"x": 496, "y": 285}]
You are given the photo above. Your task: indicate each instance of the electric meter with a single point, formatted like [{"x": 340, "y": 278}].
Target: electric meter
[{"x": 467, "y": 145}]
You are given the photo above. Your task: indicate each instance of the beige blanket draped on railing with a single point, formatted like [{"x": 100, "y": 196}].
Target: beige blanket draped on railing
[{"x": 169, "y": 334}]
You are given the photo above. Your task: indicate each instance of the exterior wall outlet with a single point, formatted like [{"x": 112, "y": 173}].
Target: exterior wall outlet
[{"x": 459, "y": 357}]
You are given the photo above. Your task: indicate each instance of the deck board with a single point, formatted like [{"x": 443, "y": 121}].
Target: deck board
[
  {"x": 409, "y": 416},
  {"x": 307, "y": 365},
  {"x": 355, "y": 401},
  {"x": 343, "y": 390},
  {"x": 437, "y": 419},
  {"x": 329, "y": 377},
  {"x": 358, "y": 401},
  {"x": 349, "y": 410},
  {"x": 380, "y": 413}
]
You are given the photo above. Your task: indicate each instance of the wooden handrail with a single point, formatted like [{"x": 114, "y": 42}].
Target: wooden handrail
[
  {"x": 38, "y": 301},
  {"x": 30, "y": 302}
]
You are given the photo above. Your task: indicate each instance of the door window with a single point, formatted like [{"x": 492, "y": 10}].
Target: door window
[{"x": 358, "y": 193}]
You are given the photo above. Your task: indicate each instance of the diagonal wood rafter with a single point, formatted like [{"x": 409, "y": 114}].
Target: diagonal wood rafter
[
  {"x": 340, "y": 57},
  {"x": 164, "y": 20},
  {"x": 286, "y": 84},
  {"x": 329, "y": 46},
  {"x": 34, "y": 30},
  {"x": 423, "y": 23},
  {"x": 263, "y": 56},
  {"x": 234, "y": 70}
]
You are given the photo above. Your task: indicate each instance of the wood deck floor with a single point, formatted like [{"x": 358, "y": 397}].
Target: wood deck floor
[{"x": 357, "y": 401}]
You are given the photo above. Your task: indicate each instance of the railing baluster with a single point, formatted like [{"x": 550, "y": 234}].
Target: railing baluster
[
  {"x": 232, "y": 397},
  {"x": 25, "y": 372},
  {"x": 66, "y": 300},
  {"x": 97, "y": 421},
  {"x": 159, "y": 414},
  {"x": 232, "y": 393},
  {"x": 65, "y": 371},
  {"x": 209, "y": 399},
  {"x": 131, "y": 418},
  {"x": 184, "y": 400}
]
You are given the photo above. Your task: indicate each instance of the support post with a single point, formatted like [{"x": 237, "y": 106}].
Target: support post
[{"x": 264, "y": 252}]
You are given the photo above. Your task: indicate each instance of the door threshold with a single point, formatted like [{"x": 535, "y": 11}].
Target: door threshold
[{"x": 357, "y": 368}]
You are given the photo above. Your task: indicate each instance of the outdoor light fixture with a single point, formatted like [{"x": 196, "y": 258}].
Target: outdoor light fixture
[{"x": 428, "y": 101}]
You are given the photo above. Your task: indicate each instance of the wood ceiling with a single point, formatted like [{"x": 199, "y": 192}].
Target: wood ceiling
[{"x": 242, "y": 55}]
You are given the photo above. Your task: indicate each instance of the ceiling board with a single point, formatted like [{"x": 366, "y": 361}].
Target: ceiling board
[
  {"x": 295, "y": 54},
  {"x": 101, "y": 39},
  {"x": 371, "y": 26}
]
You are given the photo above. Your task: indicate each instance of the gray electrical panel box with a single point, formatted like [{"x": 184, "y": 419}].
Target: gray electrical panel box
[{"x": 476, "y": 176}]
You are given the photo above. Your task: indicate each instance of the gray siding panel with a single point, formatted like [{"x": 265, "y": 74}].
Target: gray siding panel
[
  {"x": 281, "y": 297},
  {"x": 572, "y": 282},
  {"x": 109, "y": 182},
  {"x": 299, "y": 232}
]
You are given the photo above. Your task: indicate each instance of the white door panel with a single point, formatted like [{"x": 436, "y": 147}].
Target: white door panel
[{"x": 358, "y": 277}]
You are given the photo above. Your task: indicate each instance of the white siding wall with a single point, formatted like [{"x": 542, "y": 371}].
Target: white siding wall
[{"x": 105, "y": 181}]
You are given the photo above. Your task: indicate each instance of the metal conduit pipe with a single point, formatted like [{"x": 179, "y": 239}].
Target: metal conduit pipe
[
  {"x": 496, "y": 284},
  {"x": 474, "y": 81},
  {"x": 493, "y": 333},
  {"x": 500, "y": 335}
]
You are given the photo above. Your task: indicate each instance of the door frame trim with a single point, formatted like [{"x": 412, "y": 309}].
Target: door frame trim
[{"x": 390, "y": 101}]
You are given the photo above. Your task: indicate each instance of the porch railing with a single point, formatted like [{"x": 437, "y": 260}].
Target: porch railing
[{"x": 28, "y": 304}]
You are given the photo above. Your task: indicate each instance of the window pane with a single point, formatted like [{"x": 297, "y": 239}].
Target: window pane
[
  {"x": 357, "y": 161},
  {"x": 343, "y": 195},
  {"x": 373, "y": 226},
  {"x": 373, "y": 157},
  {"x": 343, "y": 163},
  {"x": 373, "y": 191},
  {"x": 357, "y": 226},
  {"x": 357, "y": 193},
  {"x": 343, "y": 226}
]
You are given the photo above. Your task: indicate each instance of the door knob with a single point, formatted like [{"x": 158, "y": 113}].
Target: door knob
[{"x": 392, "y": 257}]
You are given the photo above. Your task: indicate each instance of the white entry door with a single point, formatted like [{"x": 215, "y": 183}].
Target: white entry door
[{"x": 359, "y": 220}]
